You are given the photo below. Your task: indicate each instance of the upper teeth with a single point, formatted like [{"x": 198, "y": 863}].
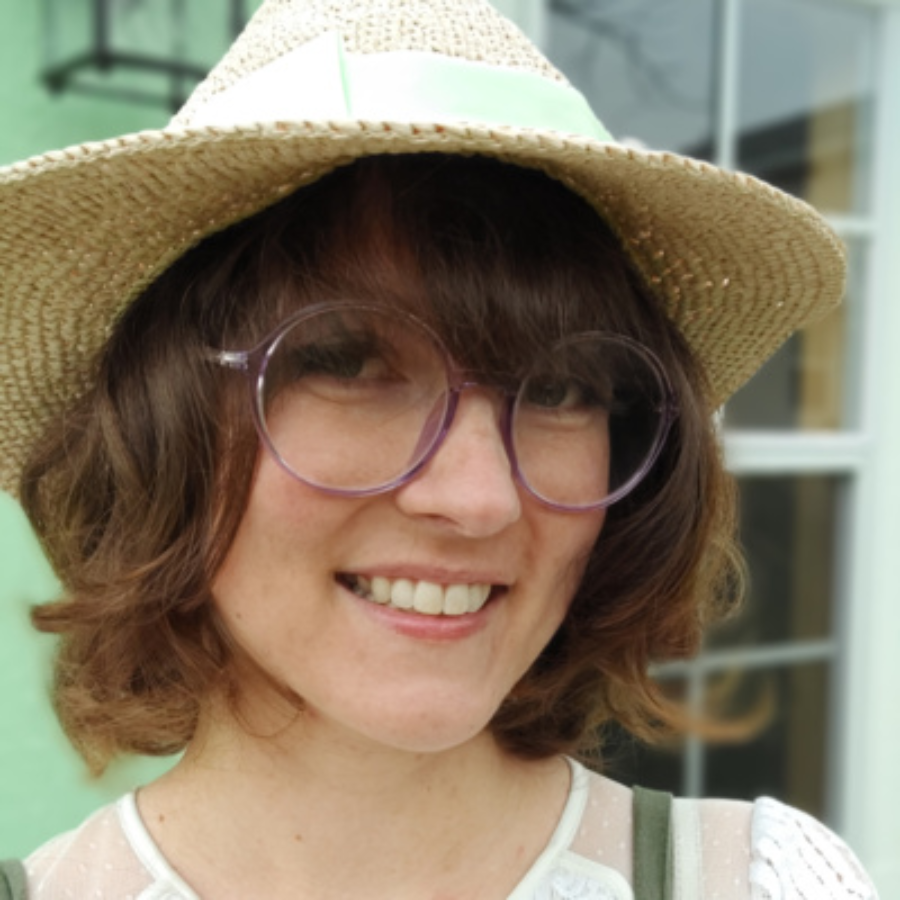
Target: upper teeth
[{"x": 423, "y": 596}]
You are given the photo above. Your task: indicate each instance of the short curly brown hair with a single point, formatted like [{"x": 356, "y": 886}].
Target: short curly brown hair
[{"x": 137, "y": 491}]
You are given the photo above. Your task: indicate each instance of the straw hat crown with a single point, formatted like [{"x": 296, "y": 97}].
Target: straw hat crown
[{"x": 464, "y": 29}]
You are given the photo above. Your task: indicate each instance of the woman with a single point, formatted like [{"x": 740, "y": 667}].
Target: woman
[{"x": 381, "y": 467}]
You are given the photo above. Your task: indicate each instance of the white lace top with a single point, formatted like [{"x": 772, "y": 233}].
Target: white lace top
[{"x": 724, "y": 850}]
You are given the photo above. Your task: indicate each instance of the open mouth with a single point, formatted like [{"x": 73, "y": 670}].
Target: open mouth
[{"x": 424, "y": 597}]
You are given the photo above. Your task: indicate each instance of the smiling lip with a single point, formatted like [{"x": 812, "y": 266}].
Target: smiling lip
[
  {"x": 443, "y": 610},
  {"x": 425, "y": 597}
]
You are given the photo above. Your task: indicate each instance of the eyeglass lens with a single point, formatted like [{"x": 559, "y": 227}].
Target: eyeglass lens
[{"x": 353, "y": 399}]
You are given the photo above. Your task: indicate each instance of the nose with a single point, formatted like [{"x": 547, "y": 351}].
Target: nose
[{"x": 468, "y": 485}]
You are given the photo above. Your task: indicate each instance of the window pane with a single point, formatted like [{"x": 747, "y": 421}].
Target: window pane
[
  {"x": 788, "y": 527},
  {"x": 804, "y": 386},
  {"x": 645, "y": 67},
  {"x": 806, "y": 89},
  {"x": 787, "y": 759}
]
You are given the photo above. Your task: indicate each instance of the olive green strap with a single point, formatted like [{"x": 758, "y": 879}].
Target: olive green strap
[
  {"x": 12, "y": 880},
  {"x": 652, "y": 845}
]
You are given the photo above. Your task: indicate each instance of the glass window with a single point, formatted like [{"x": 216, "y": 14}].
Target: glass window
[
  {"x": 787, "y": 759},
  {"x": 788, "y": 90},
  {"x": 806, "y": 89},
  {"x": 767, "y": 673},
  {"x": 645, "y": 67},
  {"x": 785, "y": 710},
  {"x": 788, "y": 527}
]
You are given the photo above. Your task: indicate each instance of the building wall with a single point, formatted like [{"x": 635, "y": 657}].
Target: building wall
[
  {"x": 31, "y": 120},
  {"x": 44, "y": 788}
]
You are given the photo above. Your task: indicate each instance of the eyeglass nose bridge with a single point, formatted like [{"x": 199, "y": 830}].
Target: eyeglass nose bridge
[{"x": 466, "y": 381}]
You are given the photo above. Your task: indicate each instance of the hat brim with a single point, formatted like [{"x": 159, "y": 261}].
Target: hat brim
[{"x": 737, "y": 264}]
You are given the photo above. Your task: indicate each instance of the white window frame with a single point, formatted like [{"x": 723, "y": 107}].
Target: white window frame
[
  {"x": 868, "y": 782},
  {"x": 864, "y": 773}
]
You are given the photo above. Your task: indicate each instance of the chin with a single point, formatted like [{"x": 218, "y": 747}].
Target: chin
[{"x": 431, "y": 730}]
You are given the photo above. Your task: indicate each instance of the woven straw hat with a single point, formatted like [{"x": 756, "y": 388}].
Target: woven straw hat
[{"x": 313, "y": 84}]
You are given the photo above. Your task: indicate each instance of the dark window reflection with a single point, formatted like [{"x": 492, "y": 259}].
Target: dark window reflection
[
  {"x": 788, "y": 759},
  {"x": 788, "y": 527}
]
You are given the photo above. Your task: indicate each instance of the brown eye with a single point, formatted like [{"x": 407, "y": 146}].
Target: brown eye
[{"x": 547, "y": 392}]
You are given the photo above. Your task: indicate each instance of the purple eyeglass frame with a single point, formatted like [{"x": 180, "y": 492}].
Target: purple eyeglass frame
[{"x": 254, "y": 363}]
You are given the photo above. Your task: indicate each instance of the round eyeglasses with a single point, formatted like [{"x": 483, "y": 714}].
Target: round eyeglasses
[{"x": 355, "y": 399}]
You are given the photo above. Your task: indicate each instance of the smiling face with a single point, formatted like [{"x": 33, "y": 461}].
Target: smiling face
[
  {"x": 409, "y": 616},
  {"x": 355, "y": 605}
]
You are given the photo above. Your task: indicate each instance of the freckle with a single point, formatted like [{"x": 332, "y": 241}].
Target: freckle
[
  {"x": 161, "y": 818},
  {"x": 298, "y": 838}
]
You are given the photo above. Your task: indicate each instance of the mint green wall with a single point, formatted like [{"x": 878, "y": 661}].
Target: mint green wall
[
  {"x": 31, "y": 121},
  {"x": 43, "y": 785}
]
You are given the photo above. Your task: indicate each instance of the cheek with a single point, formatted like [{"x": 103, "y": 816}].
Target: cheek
[
  {"x": 284, "y": 509},
  {"x": 564, "y": 545},
  {"x": 571, "y": 541},
  {"x": 282, "y": 528}
]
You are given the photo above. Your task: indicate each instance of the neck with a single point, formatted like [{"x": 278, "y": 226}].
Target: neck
[{"x": 302, "y": 803}]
